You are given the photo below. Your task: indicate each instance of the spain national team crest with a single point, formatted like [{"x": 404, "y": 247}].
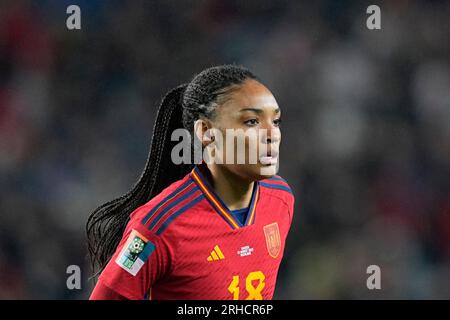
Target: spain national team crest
[{"x": 273, "y": 240}]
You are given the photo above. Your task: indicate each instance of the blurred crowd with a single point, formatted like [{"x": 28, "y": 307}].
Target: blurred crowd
[{"x": 366, "y": 131}]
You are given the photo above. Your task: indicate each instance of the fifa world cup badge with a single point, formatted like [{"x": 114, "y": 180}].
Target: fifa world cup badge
[
  {"x": 273, "y": 240},
  {"x": 137, "y": 245},
  {"x": 135, "y": 252}
]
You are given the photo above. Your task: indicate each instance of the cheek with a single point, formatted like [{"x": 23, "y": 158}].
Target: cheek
[{"x": 276, "y": 134}]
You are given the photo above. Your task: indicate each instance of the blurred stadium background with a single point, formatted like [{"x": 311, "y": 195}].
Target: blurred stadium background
[{"x": 366, "y": 131}]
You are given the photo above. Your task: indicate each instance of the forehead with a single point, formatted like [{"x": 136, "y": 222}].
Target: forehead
[{"x": 250, "y": 93}]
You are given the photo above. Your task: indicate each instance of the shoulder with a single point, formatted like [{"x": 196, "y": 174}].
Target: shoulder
[
  {"x": 157, "y": 214},
  {"x": 277, "y": 186}
]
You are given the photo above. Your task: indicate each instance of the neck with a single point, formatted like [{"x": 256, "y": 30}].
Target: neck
[{"x": 234, "y": 191}]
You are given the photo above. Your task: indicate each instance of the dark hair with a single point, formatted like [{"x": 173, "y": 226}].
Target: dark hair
[{"x": 179, "y": 108}]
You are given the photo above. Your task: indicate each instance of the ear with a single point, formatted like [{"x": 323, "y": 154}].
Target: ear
[{"x": 201, "y": 127}]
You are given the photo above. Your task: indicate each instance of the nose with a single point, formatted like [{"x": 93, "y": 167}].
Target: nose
[{"x": 270, "y": 135}]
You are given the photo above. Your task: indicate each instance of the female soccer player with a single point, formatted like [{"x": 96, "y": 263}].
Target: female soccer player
[{"x": 207, "y": 231}]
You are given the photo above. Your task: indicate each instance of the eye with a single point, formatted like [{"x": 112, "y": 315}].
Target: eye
[
  {"x": 251, "y": 122},
  {"x": 277, "y": 122}
]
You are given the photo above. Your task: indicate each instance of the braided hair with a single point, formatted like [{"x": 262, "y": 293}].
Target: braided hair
[{"x": 179, "y": 108}]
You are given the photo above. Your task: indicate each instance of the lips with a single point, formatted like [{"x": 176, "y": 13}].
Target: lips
[
  {"x": 269, "y": 153},
  {"x": 273, "y": 153},
  {"x": 269, "y": 158}
]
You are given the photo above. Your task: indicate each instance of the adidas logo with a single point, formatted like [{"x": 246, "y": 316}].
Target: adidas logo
[{"x": 216, "y": 254}]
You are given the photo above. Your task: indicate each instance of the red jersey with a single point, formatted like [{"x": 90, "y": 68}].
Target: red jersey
[{"x": 186, "y": 244}]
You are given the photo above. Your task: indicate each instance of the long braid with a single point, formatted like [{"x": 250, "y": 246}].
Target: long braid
[{"x": 107, "y": 223}]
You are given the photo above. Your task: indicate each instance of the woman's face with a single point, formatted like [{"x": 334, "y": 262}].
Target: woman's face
[{"x": 250, "y": 149}]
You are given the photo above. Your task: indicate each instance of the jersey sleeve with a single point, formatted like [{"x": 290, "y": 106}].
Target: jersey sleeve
[
  {"x": 141, "y": 258},
  {"x": 102, "y": 292}
]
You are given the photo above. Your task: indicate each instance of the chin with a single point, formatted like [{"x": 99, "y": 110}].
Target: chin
[{"x": 265, "y": 171}]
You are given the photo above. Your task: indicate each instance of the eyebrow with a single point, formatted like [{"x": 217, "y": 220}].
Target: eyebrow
[{"x": 257, "y": 110}]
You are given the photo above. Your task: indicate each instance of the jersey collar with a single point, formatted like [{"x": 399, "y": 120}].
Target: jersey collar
[{"x": 217, "y": 203}]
